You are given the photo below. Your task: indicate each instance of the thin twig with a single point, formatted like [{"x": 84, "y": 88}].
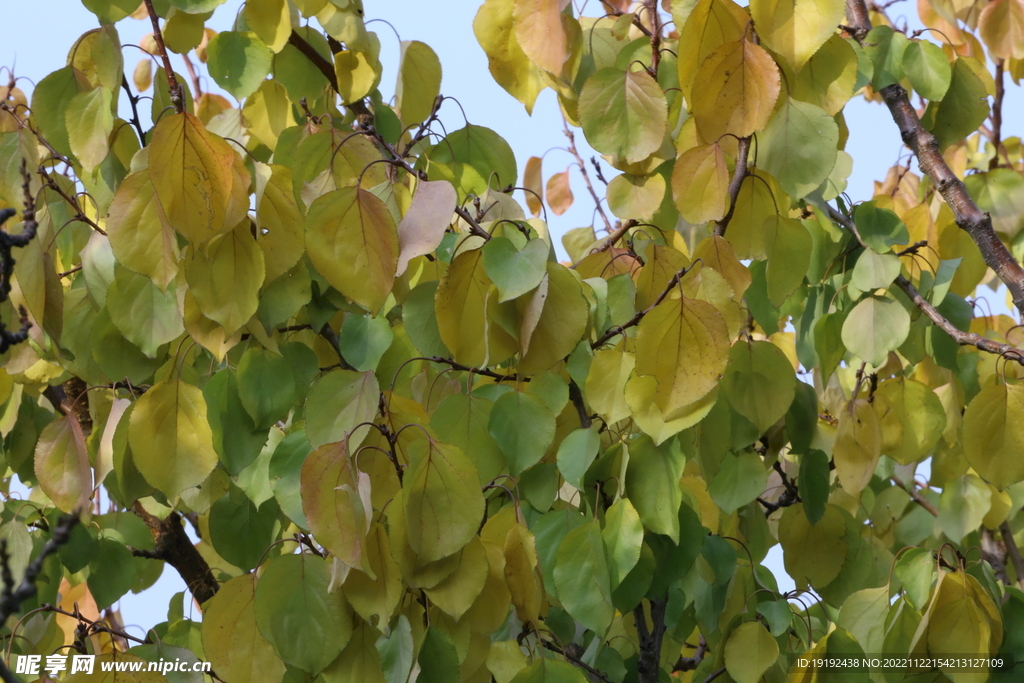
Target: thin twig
[
  {"x": 1013, "y": 551},
  {"x": 134, "y": 101},
  {"x": 173, "y": 87},
  {"x": 586, "y": 178},
  {"x": 997, "y": 116},
  {"x": 916, "y": 497},
  {"x": 635, "y": 320},
  {"x": 572, "y": 659}
]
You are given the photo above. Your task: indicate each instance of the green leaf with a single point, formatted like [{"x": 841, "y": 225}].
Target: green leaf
[
  {"x": 778, "y": 615},
  {"x": 813, "y": 483},
  {"x": 796, "y": 29},
  {"x": 749, "y": 652},
  {"x": 225, "y": 277},
  {"x": 576, "y": 453},
  {"x": 623, "y": 113},
  {"x": 799, "y": 147},
  {"x": 879, "y": 228},
  {"x": 916, "y": 571},
  {"x": 338, "y": 401},
  {"x": 396, "y": 651},
  {"x": 462, "y": 420},
  {"x": 523, "y": 448},
  {"x": 285, "y": 475},
  {"x": 875, "y": 271},
  {"x": 813, "y": 553},
  {"x": 928, "y": 69},
  {"x": 307, "y": 625},
  {"x": 238, "y": 62},
  {"x": 240, "y": 532},
  {"x": 741, "y": 479},
  {"x": 266, "y": 386},
  {"x": 999, "y": 192},
  {"x": 515, "y": 272},
  {"x": 170, "y": 437},
  {"x": 876, "y": 326},
  {"x": 549, "y": 671},
  {"x": 582, "y": 578},
  {"x": 438, "y": 660},
  {"x": 993, "y": 434},
  {"x": 483, "y": 150},
  {"x": 863, "y": 614},
  {"x": 364, "y": 340},
  {"x": 235, "y": 436},
  {"x": 62, "y": 465},
  {"x": 623, "y": 536},
  {"x": 963, "y": 108},
  {"x": 885, "y": 47},
  {"x": 652, "y": 483},
  {"x": 111, "y": 571},
  {"x": 759, "y": 382},
  {"x": 788, "y": 246},
  {"x": 145, "y": 316},
  {"x": 442, "y": 499}
]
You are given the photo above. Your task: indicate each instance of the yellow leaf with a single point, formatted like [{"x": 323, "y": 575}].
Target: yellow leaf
[
  {"x": 640, "y": 392},
  {"x": 993, "y": 434},
  {"x": 1001, "y": 26},
  {"x": 735, "y": 90},
  {"x": 62, "y": 464},
  {"x": 207, "y": 333},
  {"x": 139, "y": 233},
  {"x": 442, "y": 500},
  {"x": 279, "y": 222},
  {"x": 270, "y": 21},
  {"x": 352, "y": 241},
  {"x": 606, "y": 383},
  {"x": 717, "y": 253},
  {"x": 662, "y": 263},
  {"x": 143, "y": 74},
  {"x": 538, "y": 29},
  {"x": 712, "y": 23},
  {"x": 226, "y": 280},
  {"x": 684, "y": 344},
  {"x": 170, "y": 437},
  {"x": 268, "y": 112},
  {"x": 356, "y": 74},
  {"x": 827, "y": 80},
  {"x": 795, "y": 29},
  {"x": 232, "y": 641},
  {"x": 813, "y": 552},
  {"x": 700, "y": 184},
  {"x": 456, "y": 594},
  {"x": 749, "y": 652},
  {"x": 194, "y": 174},
  {"x": 560, "y": 325},
  {"x": 375, "y": 597},
  {"x": 532, "y": 185},
  {"x": 419, "y": 82},
  {"x": 508, "y": 64},
  {"x": 858, "y": 445},
  {"x": 489, "y": 611},
  {"x": 522, "y": 574},
  {"x": 559, "y": 193}
]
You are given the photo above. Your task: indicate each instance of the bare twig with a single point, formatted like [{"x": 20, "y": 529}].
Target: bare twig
[
  {"x": 595, "y": 674},
  {"x": 997, "y": 115},
  {"x": 635, "y": 320},
  {"x": 915, "y": 496},
  {"x": 691, "y": 663},
  {"x": 332, "y": 338},
  {"x": 134, "y": 101},
  {"x": 175, "y": 89},
  {"x": 743, "y": 150},
  {"x": 586, "y": 177}
]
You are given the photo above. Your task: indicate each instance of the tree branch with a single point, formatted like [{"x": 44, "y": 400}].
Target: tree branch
[
  {"x": 647, "y": 665},
  {"x": 174, "y": 88},
  {"x": 917, "y": 497},
  {"x": 573, "y": 659},
  {"x": 925, "y": 147},
  {"x": 1012, "y": 551},
  {"x": 737, "y": 182},
  {"x": 620, "y": 230},
  {"x": 635, "y": 320},
  {"x": 997, "y": 114},
  {"x": 325, "y": 67},
  {"x": 173, "y": 546},
  {"x": 586, "y": 177}
]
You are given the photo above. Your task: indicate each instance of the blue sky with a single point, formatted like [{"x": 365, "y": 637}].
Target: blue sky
[{"x": 38, "y": 34}]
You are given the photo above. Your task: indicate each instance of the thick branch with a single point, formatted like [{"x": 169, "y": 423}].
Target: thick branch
[
  {"x": 925, "y": 147},
  {"x": 737, "y": 182},
  {"x": 315, "y": 57},
  {"x": 1012, "y": 551},
  {"x": 616, "y": 235},
  {"x": 173, "y": 87},
  {"x": 648, "y": 669},
  {"x": 173, "y": 546}
]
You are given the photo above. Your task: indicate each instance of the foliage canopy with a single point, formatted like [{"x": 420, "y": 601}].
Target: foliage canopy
[{"x": 319, "y": 327}]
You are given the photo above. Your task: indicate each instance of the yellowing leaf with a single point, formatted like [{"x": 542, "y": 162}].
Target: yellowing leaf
[
  {"x": 90, "y": 122},
  {"x": 356, "y": 74},
  {"x": 857, "y": 446},
  {"x": 170, "y": 437},
  {"x": 749, "y": 652},
  {"x": 919, "y": 414},
  {"x": 140, "y": 236},
  {"x": 508, "y": 64},
  {"x": 270, "y": 21},
  {"x": 606, "y": 383},
  {"x": 636, "y": 196},
  {"x": 226, "y": 280},
  {"x": 192, "y": 171},
  {"x": 684, "y": 344},
  {"x": 561, "y": 324},
  {"x": 62, "y": 464},
  {"x": 712, "y": 23},
  {"x": 716, "y": 252},
  {"x": 735, "y": 90},
  {"x": 559, "y": 193},
  {"x": 993, "y": 434},
  {"x": 231, "y": 639},
  {"x": 375, "y": 593},
  {"x": 623, "y": 113},
  {"x": 457, "y": 593},
  {"x": 828, "y": 79},
  {"x": 522, "y": 574},
  {"x": 814, "y": 553},
  {"x": 532, "y": 185},
  {"x": 332, "y": 503},
  {"x": 759, "y": 382},
  {"x": 442, "y": 500},
  {"x": 419, "y": 81},
  {"x": 700, "y": 184},
  {"x": 424, "y": 224},
  {"x": 538, "y": 29},
  {"x": 279, "y": 223},
  {"x": 640, "y": 391},
  {"x": 352, "y": 241},
  {"x": 795, "y": 29},
  {"x": 1001, "y": 26}
]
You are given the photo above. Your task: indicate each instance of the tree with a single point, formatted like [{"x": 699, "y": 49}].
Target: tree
[{"x": 321, "y": 330}]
